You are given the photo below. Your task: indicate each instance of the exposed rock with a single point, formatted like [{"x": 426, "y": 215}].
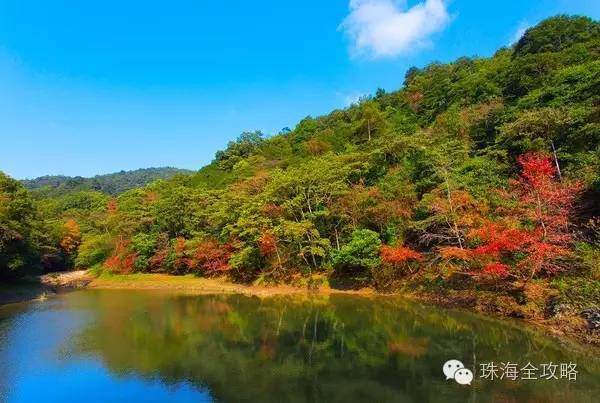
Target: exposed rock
[
  {"x": 66, "y": 280},
  {"x": 592, "y": 316},
  {"x": 554, "y": 307}
]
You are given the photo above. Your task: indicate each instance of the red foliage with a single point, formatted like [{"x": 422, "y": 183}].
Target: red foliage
[
  {"x": 542, "y": 256},
  {"x": 499, "y": 240},
  {"x": 454, "y": 252},
  {"x": 547, "y": 203},
  {"x": 112, "y": 263},
  {"x": 398, "y": 255},
  {"x": 112, "y": 206},
  {"x": 72, "y": 236},
  {"x": 127, "y": 262},
  {"x": 544, "y": 207},
  {"x": 157, "y": 261},
  {"x": 273, "y": 210},
  {"x": 537, "y": 169},
  {"x": 122, "y": 260},
  {"x": 181, "y": 263},
  {"x": 496, "y": 270},
  {"x": 212, "y": 257},
  {"x": 267, "y": 244},
  {"x": 544, "y": 200}
]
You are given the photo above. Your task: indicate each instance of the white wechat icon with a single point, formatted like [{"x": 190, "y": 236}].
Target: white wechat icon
[
  {"x": 454, "y": 369},
  {"x": 463, "y": 376},
  {"x": 450, "y": 367}
]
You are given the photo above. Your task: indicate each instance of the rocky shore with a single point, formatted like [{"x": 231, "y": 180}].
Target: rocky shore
[{"x": 34, "y": 287}]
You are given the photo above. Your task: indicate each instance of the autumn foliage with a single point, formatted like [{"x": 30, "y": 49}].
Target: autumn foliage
[
  {"x": 546, "y": 203},
  {"x": 212, "y": 258},
  {"x": 181, "y": 262},
  {"x": 399, "y": 256},
  {"x": 112, "y": 205},
  {"x": 72, "y": 236},
  {"x": 122, "y": 260},
  {"x": 530, "y": 239},
  {"x": 267, "y": 244}
]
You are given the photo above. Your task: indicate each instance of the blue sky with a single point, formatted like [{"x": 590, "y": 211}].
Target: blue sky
[{"x": 95, "y": 87}]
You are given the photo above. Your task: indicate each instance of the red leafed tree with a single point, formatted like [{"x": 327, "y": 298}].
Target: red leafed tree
[
  {"x": 72, "y": 236},
  {"x": 181, "y": 262},
  {"x": 546, "y": 203},
  {"x": 157, "y": 262},
  {"x": 273, "y": 210},
  {"x": 112, "y": 205},
  {"x": 122, "y": 259},
  {"x": 399, "y": 257},
  {"x": 498, "y": 242},
  {"x": 534, "y": 237},
  {"x": 267, "y": 244},
  {"x": 212, "y": 257}
]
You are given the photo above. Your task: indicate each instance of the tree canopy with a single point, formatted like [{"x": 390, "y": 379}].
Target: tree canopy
[{"x": 485, "y": 167}]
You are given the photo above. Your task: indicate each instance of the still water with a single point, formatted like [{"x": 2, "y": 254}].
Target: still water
[{"x": 146, "y": 346}]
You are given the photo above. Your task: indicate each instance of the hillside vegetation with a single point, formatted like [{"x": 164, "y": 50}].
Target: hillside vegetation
[
  {"x": 112, "y": 184},
  {"x": 482, "y": 174}
]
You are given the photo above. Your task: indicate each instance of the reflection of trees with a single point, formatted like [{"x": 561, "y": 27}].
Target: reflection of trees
[{"x": 313, "y": 349}]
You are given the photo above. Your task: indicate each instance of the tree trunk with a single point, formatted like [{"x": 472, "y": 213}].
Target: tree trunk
[
  {"x": 556, "y": 160},
  {"x": 454, "y": 225}
]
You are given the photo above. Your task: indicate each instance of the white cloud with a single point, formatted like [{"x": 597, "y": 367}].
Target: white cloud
[
  {"x": 351, "y": 98},
  {"x": 520, "y": 31},
  {"x": 387, "y": 28}
]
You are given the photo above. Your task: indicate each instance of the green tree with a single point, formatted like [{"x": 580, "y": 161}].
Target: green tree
[
  {"x": 21, "y": 237},
  {"x": 361, "y": 252}
]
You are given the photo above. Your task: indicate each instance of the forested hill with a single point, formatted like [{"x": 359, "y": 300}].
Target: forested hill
[
  {"x": 481, "y": 174},
  {"x": 112, "y": 184}
]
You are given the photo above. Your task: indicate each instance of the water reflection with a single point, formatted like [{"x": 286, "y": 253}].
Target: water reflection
[{"x": 297, "y": 349}]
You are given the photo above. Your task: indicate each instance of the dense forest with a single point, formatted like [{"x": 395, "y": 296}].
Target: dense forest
[
  {"x": 112, "y": 184},
  {"x": 483, "y": 173}
]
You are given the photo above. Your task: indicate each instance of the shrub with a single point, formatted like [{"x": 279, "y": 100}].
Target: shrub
[
  {"x": 94, "y": 249},
  {"x": 361, "y": 252}
]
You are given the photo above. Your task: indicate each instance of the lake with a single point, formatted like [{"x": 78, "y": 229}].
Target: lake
[{"x": 149, "y": 346}]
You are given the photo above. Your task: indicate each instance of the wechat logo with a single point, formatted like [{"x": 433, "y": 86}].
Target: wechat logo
[{"x": 454, "y": 369}]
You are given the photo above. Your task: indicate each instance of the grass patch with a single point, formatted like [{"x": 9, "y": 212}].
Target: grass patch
[{"x": 579, "y": 291}]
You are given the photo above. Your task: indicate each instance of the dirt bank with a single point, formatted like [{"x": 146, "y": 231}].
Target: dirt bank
[
  {"x": 195, "y": 285},
  {"x": 33, "y": 287}
]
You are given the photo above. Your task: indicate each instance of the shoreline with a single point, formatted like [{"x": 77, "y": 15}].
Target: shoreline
[
  {"x": 200, "y": 285},
  {"x": 570, "y": 330},
  {"x": 35, "y": 287}
]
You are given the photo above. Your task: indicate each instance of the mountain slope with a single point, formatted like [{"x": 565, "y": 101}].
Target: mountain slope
[{"x": 113, "y": 183}]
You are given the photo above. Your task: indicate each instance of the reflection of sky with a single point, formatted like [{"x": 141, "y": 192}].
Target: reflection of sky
[
  {"x": 34, "y": 365},
  {"x": 89, "y": 381}
]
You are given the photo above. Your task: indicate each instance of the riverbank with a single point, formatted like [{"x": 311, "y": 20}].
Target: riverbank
[
  {"x": 34, "y": 287},
  {"x": 562, "y": 324},
  {"x": 198, "y": 285}
]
